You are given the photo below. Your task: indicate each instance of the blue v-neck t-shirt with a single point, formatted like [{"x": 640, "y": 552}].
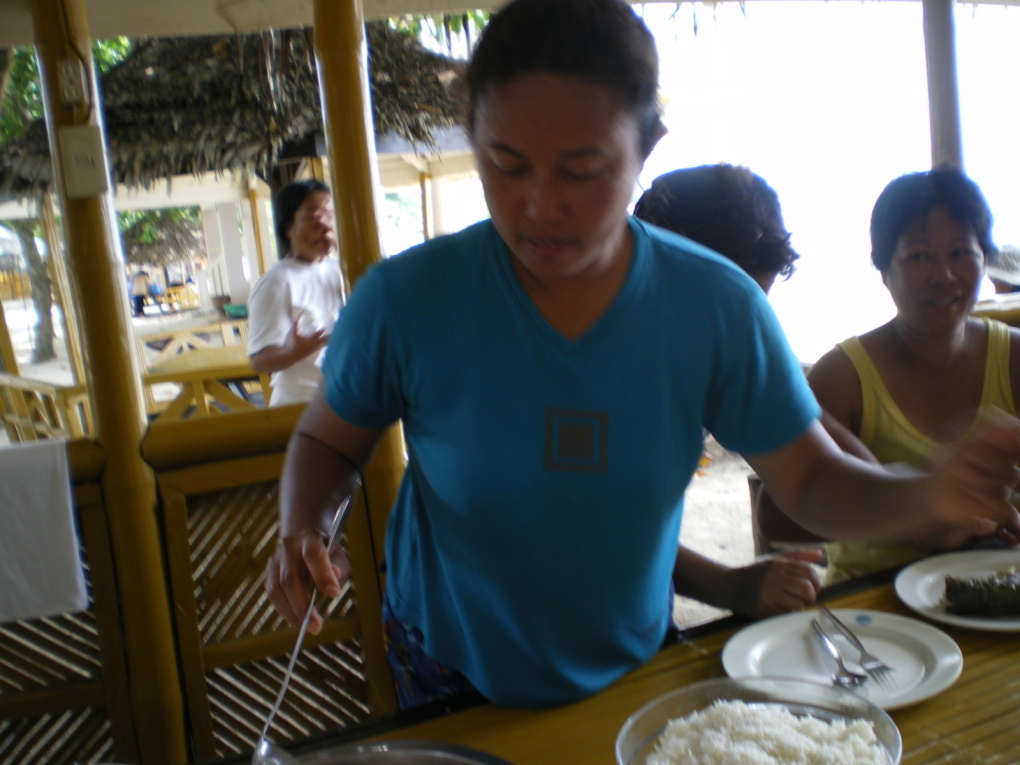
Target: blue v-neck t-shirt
[{"x": 534, "y": 533}]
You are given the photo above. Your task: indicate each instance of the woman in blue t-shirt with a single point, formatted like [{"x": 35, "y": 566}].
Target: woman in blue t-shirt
[{"x": 554, "y": 369}]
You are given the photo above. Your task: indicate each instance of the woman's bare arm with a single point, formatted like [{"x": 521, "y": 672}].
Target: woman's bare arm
[
  {"x": 324, "y": 458},
  {"x": 769, "y": 585},
  {"x": 837, "y": 388},
  {"x": 964, "y": 494}
]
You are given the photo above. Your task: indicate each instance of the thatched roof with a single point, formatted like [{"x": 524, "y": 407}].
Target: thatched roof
[{"x": 215, "y": 104}]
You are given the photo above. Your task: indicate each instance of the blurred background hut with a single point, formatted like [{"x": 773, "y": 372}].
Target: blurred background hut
[
  {"x": 245, "y": 106},
  {"x": 194, "y": 105}
]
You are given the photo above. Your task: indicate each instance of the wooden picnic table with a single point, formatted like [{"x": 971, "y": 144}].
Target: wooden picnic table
[
  {"x": 970, "y": 722},
  {"x": 208, "y": 376}
]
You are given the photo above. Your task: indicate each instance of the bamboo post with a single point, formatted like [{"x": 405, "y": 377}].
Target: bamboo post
[
  {"x": 424, "y": 189},
  {"x": 316, "y": 168},
  {"x": 256, "y": 224},
  {"x": 943, "y": 87},
  {"x": 58, "y": 274},
  {"x": 97, "y": 276},
  {"x": 8, "y": 361},
  {"x": 341, "y": 50}
]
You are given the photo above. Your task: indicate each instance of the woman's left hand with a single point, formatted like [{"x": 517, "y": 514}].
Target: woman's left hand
[{"x": 777, "y": 583}]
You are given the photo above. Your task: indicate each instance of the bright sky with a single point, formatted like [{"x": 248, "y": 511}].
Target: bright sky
[{"x": 828, "y": 102}]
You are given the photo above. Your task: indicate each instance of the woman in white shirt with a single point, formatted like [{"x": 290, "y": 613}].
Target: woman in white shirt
[{"x": 294, "y": 305}]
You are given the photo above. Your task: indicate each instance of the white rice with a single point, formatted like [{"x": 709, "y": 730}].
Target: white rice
[{"x": 735, "y": 733}]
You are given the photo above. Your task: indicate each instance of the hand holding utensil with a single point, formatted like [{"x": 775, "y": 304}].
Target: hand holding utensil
[
  {"x": 266, "y": 752},
  {"x": 843, "y": 677},
  {"x": 870, "y": 663}
]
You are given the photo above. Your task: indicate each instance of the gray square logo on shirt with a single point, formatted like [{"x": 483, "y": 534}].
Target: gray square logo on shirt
[{"x": 575, "y": 440}]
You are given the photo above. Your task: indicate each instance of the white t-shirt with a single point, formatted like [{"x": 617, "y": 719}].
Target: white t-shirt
[{"x": 294, "y": 290}]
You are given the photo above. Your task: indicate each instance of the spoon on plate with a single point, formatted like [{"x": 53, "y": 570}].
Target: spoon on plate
[
  {"x": 266, "y": 752},
  {"x": 843, "y": 677}
]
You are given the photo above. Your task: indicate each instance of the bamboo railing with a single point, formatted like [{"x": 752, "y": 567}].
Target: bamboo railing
[
  {"x": 32, "y": 410},
  {"x": 217, "y": 480}
]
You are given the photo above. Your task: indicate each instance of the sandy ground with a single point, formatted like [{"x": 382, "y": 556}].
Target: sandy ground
[{"x": 716, "y": 523}]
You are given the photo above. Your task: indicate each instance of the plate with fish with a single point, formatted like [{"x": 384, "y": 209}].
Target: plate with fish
[{"x": 983, "y": 581}]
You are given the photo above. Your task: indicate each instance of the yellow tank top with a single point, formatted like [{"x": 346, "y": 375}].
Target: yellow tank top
[{"x": 886, "y": 431}]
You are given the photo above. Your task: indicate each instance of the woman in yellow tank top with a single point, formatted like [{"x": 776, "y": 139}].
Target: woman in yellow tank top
[{"x": 909, "y": 388}]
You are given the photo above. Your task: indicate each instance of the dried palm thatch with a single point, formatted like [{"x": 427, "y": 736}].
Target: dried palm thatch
[
  {"x": 413, "y": 91},
  {"x": 193, "y": 105}
]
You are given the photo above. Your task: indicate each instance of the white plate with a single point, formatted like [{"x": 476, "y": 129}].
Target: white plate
[
  {"x": 927, "y": 660},
  {"x": 922, "y": 586}
]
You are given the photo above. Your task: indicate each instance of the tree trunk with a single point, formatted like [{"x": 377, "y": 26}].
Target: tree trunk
[
  {"x": 42, "y": 292},
  {"x": 6, "y": 57}
]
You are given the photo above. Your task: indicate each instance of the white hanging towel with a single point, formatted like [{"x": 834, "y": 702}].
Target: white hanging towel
[{"x": 40, "y": 562}]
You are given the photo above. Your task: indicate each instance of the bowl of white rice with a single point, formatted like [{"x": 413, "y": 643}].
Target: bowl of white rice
[{"x": 759, "y": 721}]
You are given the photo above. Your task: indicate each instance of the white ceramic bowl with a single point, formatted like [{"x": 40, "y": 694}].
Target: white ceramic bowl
[
  {"x": 402, "y": 752},
  {"x": 639, "y": 734}
]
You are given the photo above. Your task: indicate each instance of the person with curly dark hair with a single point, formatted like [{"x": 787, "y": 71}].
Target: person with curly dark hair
[
  {"x": 728, "y": 209},
  {"x": 734, "y": 212}
]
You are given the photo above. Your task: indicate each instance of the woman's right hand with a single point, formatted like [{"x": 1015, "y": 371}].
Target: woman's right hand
[
  {"x": 303, "y": 345},
  {"x": 299, "y": 563},
  {"x": 275, "y": 358}
]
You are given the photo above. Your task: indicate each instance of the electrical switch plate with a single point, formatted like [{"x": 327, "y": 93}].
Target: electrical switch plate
[
  {"x": 72, "y": 81},
  {"x": 81, "y": 155}
]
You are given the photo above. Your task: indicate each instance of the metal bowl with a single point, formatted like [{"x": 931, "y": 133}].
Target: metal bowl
[
  {"x": 638, "y": 736},
  {"x": 403, "y": 752}
]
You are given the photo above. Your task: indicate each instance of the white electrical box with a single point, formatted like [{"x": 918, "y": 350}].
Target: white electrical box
[
  {"x": 81, "y": 155},
  {"x": 73, "y": 82}
]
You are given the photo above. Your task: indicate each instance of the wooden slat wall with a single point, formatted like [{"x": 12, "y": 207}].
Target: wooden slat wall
[
  {"x": 220, "y": 519},
  {"x": 63, "y": 682}
]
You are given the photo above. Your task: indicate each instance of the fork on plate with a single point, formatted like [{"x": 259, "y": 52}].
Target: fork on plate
[
  {"x": 843, "y": 677},
  {"x": 874, "y": 666}
]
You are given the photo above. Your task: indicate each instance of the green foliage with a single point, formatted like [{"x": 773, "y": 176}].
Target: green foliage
[
  {"x": 147, "y": 223},
  {"x": 21, "y": 102},
  {"x": 401, "y": 206},
  {"x": 108, "y": 53},
  {"x": 442, "y": 28}
]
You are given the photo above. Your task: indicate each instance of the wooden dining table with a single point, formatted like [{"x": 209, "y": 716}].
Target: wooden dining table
[
  {"x": 207, "y": 375},
  {"x": 970, "y": 722}
]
